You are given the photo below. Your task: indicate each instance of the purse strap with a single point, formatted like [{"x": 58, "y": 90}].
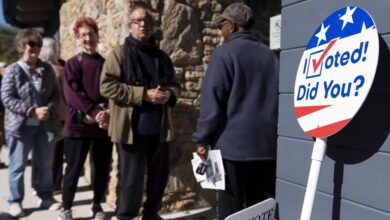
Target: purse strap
[{"x": 37, "y": 95}]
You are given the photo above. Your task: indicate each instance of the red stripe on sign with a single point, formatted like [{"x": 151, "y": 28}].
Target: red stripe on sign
[
  {"x": 328, "y": 130},
  {"x": 305, "y": 110}
]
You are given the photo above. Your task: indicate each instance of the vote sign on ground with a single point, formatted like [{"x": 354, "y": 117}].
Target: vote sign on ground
[{"x": 336, "y": 71}]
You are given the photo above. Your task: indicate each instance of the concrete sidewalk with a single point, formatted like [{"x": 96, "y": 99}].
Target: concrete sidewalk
[
  {"x": 82, "y": 203},
  {"x": 81, "y": 208}
]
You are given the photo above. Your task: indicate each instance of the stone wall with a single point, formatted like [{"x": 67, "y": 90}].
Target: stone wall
[{"x": 186, "y": 31}]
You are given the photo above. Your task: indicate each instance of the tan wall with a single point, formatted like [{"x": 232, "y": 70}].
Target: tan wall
[{"x": 186, "y": 31}]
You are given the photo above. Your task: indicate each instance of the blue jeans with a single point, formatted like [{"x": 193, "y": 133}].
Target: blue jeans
[{"x": 35, "y": 138}]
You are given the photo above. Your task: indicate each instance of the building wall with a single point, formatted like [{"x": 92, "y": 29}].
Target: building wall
[
  {"x": 185, "y": 29},
  {"x": 354, "y": 180}
]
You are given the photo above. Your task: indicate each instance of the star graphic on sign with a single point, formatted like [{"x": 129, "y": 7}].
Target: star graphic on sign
[
  {"x": 347, "y": 17},
  {"x": 364, "y": 28},
  {"x": 322, "y": 33}
]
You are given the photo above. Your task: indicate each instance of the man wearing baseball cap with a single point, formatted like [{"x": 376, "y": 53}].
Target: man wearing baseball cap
[
  {"x": 238, "y": 112},
  {"x": 238, "y": 13}
]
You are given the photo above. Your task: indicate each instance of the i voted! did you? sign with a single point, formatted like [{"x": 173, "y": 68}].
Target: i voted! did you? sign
[{"x": 336, "y": 71}]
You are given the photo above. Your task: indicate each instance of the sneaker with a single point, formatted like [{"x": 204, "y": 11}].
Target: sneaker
[
  {"x": 65, "y": 215},
  {"x": 100, "y": 216},
  {"x": 16, "y": 210},
  {"x": 50, "y": 204}
]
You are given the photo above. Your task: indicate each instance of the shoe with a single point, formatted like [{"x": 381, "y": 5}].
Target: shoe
[
  {"x": 97, "y": 212},
  {"x": 100, "y": 216},
  {"x": 16, "y": 210},
  {"x": 65, "y": 215},
  {"x": 50, "y": 204}
]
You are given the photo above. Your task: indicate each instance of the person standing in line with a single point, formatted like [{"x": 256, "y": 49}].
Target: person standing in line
[
  {"x": 86, "y": 120},
  {"x": 238, "y": 112},
  {"x": 50, "y": 54},
  {"x": 3, "y": 66},
  {"x": 30, "y": 98},
  {"x": 138, "y": 80}
]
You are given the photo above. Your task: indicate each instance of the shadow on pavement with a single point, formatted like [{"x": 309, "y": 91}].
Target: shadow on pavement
[
  {"x": 109, "y": 215},
  {"x": 207, "y": 215},
  {"x": 83, "y": 188},
  {"x": 29, "y": 211},
  {"x": 6, "y": 216},
  {"x": 83, "y": 202}
]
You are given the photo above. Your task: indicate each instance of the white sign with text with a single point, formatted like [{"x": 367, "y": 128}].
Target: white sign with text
[
  {"x": 336, "y": 71},
  {"x": 264, "y": 210}
]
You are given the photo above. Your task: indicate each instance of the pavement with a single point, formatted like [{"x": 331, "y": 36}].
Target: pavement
[{"x": 82, "y": 203}]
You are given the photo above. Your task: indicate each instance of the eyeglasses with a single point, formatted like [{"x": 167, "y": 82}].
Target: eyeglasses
[
  {"x": 138, "y": 21},
  {"x": 34, "y": 44},
  {"x": 87, "y": 34},
  {"x": 222, "y": 23}
]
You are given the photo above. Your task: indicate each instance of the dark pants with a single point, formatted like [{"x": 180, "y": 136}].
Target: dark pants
[
  {"x": 76, "y": 150},
  {"x": 246, "y": 185},
  {"x": 57, "y": 167},
  {"x": 58, "y": 161},
  {"x": 146, "y": 152}
]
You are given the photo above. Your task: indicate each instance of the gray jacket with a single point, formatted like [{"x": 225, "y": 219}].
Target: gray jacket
[{"x": 17, "y": 95}]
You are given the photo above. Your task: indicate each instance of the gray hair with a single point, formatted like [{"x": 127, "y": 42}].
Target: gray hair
[
  {"x": 24, "y": 36},
  {"x": 135, "y": 7},
  {"x": 50, "y": 51}
]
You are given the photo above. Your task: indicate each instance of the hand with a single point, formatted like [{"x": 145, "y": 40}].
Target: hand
[
  {"x": 167, "y": 95},
  {"x": 157, "y": 96},
  {"x": 201, "y": 150},
  {"x": 41, "y": 113},
  {"x": 103, "y": 118}
]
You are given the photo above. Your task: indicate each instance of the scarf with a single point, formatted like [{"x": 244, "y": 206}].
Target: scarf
[{"x": 134, "y": 73}]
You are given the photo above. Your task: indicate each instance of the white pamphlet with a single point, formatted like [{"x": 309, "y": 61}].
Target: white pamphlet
[{"x": 214, "y": 175}]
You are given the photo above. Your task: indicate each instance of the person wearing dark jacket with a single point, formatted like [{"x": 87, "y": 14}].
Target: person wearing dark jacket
[
  {"x": 238, "y": 112},
  {"x": 138, "y": 80},
  {"x": 3, "y": 66},
  {"x": 86, "y": 119}
]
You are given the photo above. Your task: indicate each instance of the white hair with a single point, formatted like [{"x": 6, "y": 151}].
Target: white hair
[
  {"x": 49, "y": 51},
  {"x": 137, "y": 6},
  {"x": 3, "y": 64}
]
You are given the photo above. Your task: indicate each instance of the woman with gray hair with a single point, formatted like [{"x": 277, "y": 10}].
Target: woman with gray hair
[
  {"x": 3, "y": 66},
  {"x": 49, "y": 51},
  {"x": 50, "y": 54},
  {"x": 30, "y": 98}
]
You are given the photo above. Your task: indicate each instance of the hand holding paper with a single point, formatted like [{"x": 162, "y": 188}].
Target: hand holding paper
[{"x": 214, "y": 175}]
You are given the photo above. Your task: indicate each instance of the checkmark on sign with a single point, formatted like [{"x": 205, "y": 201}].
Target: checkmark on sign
[{"x": 317, "y": 64}]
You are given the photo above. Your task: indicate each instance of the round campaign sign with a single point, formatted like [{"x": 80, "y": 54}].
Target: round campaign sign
[{"x": 336, "y": 71}]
